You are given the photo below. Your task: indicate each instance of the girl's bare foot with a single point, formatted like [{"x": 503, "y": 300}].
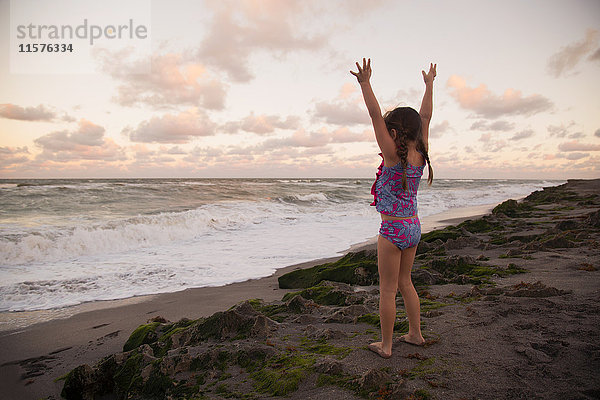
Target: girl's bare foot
[
  {"x": 376, "y": 347},
  {"x": 418, "y": 341}
]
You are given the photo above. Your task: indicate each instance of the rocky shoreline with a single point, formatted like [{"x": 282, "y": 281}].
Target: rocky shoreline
[{"x": 510, "y": 307}]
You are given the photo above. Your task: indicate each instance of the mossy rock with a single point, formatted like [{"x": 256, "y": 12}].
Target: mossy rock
[
  {"x": 281, "y": 375},
  {"x": 554, "y": 194},
  {"x": 144, "y": 334},
  {"x": 512, "y": 208},
  {"x": 127, "y": 376},
  {"x": 449, "y": 232},
  {"x": 323, "y": 293},
  {"x": 222, "y": 325},
  {"x": 467, "y": 268},
  {"x": 358, "y": 268},
  {"x": 480, "y": 225},
  {"x": 270, "y": 310}
]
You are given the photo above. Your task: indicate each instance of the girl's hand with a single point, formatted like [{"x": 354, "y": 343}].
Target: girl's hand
[
  {"x": 363, "y": 73},
  {"x": 429, "y": 77}
]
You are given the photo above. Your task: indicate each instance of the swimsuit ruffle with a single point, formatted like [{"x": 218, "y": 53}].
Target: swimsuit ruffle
[{"x": 377, "y": 175}]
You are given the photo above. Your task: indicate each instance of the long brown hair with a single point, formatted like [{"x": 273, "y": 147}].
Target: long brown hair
[{"x": 407, "y": 122}]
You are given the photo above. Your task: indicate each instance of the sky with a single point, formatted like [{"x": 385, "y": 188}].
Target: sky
[{"x": 253, "y": 88}]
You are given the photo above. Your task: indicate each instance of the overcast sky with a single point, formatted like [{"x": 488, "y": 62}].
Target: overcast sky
[{"x": 263, "y": 89}]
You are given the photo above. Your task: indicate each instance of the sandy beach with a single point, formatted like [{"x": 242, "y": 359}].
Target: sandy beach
[{"x": 531, "y": 334}]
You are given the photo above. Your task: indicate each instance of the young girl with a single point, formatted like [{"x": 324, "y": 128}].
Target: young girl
[{"x": 402, "y": 135}]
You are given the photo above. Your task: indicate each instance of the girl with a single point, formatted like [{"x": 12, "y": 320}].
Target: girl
[{"x": 402, "y": 135}]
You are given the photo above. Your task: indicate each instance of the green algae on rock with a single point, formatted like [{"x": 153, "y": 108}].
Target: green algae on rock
[{"x": 358, "y": 268}]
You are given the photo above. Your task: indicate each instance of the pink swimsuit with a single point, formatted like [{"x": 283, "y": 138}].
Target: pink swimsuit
[{"x": 390, "y": 198}]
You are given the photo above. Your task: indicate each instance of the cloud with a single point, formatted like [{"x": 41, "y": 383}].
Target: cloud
[
  {"x": 174, "y": 80},
  {"x": 567, "y": 58},
  {"x": 483, "y": 125},
  {"x": 560, "y": 130},
  {"x": 239, "y": 28},
  {"x": 573, "y": 156},
  {"x": 576, "y": 135},
  {"x": 39, "y": 113},
  {"x": 172, "y": 128},
  {"x": 344, "y": 135},
  {"x": 11, "y": 157},
  {"x": 438, "y": 130},
  {"x": 320, "y": 138},
  {"x": 488, "y": 105},
  {"x": 88, "y": 134},
  {"x": 486, "y": 137},
  {"x": 261, "y": 124},
  {"x": 527, "y": 133},
  {"x": 85, "y": 143},
  {"x": 341, "y": 113},
  {"x": 575, "y": 145},
  {"x": 490, "y": 144}
]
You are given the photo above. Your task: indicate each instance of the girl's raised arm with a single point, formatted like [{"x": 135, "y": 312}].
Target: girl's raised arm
[
  {"x": 384, "y": 140},
  {"x": 427, "y": 104}
]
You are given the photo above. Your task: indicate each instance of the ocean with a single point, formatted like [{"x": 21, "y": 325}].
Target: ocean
[{"x": 68, "y": 241}]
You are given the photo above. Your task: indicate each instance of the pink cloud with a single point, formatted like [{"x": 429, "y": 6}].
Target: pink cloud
[
  {"x": 575, "y": 145},
  {"x": 438, "y": 130},
  {"x": 85, "y": 143},
  {"x": 341, "y": 113},
  {"x": 172, "y": 128},
  {"x": 489, "y": 105},
  {"x": 175, "y": 80},
  {"x": 12, "y": 157},
  {"x": 567, "y": 58},
  {"x": 39, "y": 113},
  {"x": 261, "y": 124},
  {"x": 527, "y": 133},
  {"x": 239, "y": 28}
]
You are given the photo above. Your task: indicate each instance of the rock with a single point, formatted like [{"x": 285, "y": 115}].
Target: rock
[
  {"x": 349, "y": 314},
  {"x": 536, "y": 289},
  {"x": 80, "y": 384},
  {"x": 461, "y": 242},
  {"x": 514, "y": 252},
  {"x": 324, "y": 333},
  {"x": 147, "y": 353},
  {"x": 363, "y": 276},
  {"x": 567, "y": 225},
  {"x": 461, "y": 279},
  {"x": 424, "y": 247},
  {"x": 329, "y": 366},
  {"x": 299, "y": 304},
  {"x": 240, "y": 320},
  {"x": 426, "y": 277},
  {"x": 475, "y": 291},
  {"x": 558, "y": 242},
  {"x": 263, "y": 326},
  {"x": 373, "y": 379},
  {"x": 495, "y": 291},
  {"x": 593, "y": 219}
]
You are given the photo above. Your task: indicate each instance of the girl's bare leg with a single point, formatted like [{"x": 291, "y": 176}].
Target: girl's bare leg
[
  {"x": 388, "y": 263},
  {"x": 410, "y": 296}
]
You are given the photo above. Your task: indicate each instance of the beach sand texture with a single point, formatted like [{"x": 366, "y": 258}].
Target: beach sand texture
[{"x": 510, "y": 307}]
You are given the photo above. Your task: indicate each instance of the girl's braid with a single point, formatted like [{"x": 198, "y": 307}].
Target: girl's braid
[
  {"x": 402, "y": 151},
  {"x": 421, "y": 147}
]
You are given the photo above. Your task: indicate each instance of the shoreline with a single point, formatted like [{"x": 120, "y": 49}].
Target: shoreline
[{"x": 14, "y": 322}]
